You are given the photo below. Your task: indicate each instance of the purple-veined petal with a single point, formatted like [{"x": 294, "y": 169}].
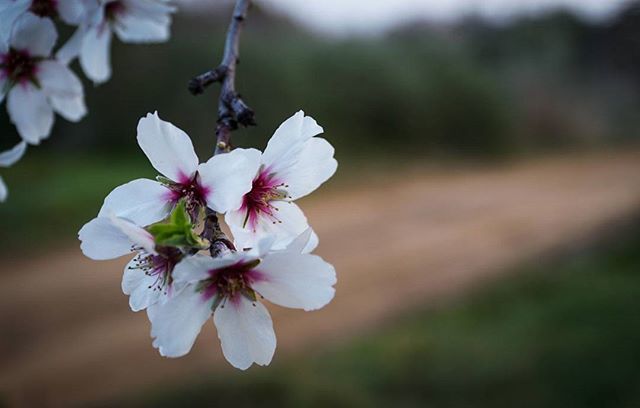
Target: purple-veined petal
[
  {"x": 140, "y": 287},
  {"x": 286, "y": 223},
  {"x": 300, "y": 281},
  {"x": 175, "y": 324},
  {"x": 143, "y": 289},
  {"x": 245, "y": 331},
  {"x": 168, "y": 148},
  {"x": 30, "y": 112},
  {"x": 196, "y": 268},
  {"x": 141, "y": 201},
  {"x": 34, "y": 34},
  {"x": 10, "y": 157},
  {"x": 94, "y": 53},
  {"x": 101, "y": 240},
  {"x": 228, "y": 177}
]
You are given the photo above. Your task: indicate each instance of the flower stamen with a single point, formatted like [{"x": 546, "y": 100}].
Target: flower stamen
[
  {"x": 257, "y": 203},
  {"x": 225, "y": 283}
]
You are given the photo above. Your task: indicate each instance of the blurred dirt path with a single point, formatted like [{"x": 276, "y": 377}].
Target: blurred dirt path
[{"x": 397, "y": 241}]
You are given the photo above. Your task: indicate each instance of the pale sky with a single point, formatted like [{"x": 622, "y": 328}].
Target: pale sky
[{"x": 346, "y": 17}]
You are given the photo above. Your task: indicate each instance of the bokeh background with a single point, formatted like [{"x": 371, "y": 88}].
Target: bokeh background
[{"x": 484, "y": 221}]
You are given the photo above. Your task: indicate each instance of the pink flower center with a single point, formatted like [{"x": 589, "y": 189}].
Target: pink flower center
[
  {"x": 257, "y": 202},
  {"x": 192, "y": 191},
  {"x": 44, "y": 8},
  {"x": 226, "y": 283},
  {"x": 113, "y": 9},
  {"x": 18, "y": 66},
  {"x": 159, "y": 266}
]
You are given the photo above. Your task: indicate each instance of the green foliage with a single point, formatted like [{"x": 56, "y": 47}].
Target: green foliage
[
  {"x": 559, "y": 334},
  {"x": 177, "y": 230}
]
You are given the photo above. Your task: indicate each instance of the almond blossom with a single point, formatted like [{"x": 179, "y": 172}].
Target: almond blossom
[
  {"x": 36, "y": 85},
  {"x": 228, "y": 288},
  {"x": 133, "y": 21},
  {"x": 7, "y": 159},
  {"x": 69, "y": 11},
  {"x": 147, "y": 277},
  {"x": 219, "y": 184},
  {"x": 293, "y": 165}
]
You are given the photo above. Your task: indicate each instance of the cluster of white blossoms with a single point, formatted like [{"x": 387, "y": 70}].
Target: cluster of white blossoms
[
  {"x": 37, "y": 82},
  {"x": 270, "y": 257}
]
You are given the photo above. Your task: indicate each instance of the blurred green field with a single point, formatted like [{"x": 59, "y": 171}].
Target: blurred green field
[
  {"x": 563, "y": 333},
  {"x": 51, "y": 197}
]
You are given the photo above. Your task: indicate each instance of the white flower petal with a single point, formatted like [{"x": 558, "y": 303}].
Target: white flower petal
[
  {"x": 71, "y": 108},
  {"x": 142, "y": 288},
  {"x": 289, "y": 222},
  {"x": 34, "y": 34},
  {"x": 228, "y": 177},
  {"x": 56, "y": 78},
  {"x": 175, "y": 324},
  {"x": 63, "y": 88},
  {"x": 4, "y": 193},
  {"x": 71, "y": 11},
  {"x": 142, "y": 201},
  {"x": 197, "y": 267},
  {"x": 3, "y": 86},
  {"x": 144, "y": 21},
  {"x": 101, "y": 239},
  {"x": 315, "y": 165},
  {"x": 10, "y": 157},
  {"x": 245, "y": 331},
  {"x": 71, "y": 48},
  {"x": 168, "y": 148},
  {"x": 304, "y": 243},
  {"x": 30, "y": 112},
  {"x": 9, "y": 12},
  {"x": 287, "y": 142},
  {"x": 137, "y": 236},
  {"x": 300, "y": 281},
  {"x": 94, "y": 53}
]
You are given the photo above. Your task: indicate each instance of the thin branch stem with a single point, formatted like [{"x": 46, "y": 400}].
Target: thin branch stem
[
  {"x": 231, "y": 111},
  {"x": 231, "y": 108}
]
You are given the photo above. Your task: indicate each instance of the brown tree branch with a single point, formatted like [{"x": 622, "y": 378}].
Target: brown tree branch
[
  {"x": 231, "y": 111},
  {"x": 231, "y": 108}
]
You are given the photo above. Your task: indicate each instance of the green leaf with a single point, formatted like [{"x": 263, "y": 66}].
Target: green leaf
[
  {"x": 177, "y": 231},
  {"x": 165, "y": 181}
]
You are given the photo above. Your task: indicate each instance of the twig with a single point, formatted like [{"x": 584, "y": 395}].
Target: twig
[
  {"x": 231, "y": 111},
  {"x": 231, "y": 108},
  {"x": 212, "y": 232}
]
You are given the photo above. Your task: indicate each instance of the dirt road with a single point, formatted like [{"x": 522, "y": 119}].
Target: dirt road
[{"x": 420, "y": 237}]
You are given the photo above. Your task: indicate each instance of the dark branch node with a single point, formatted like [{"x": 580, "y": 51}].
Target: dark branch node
[
  {"x": 215, "y": 235},
  {"x": 199, "y": 83}
]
